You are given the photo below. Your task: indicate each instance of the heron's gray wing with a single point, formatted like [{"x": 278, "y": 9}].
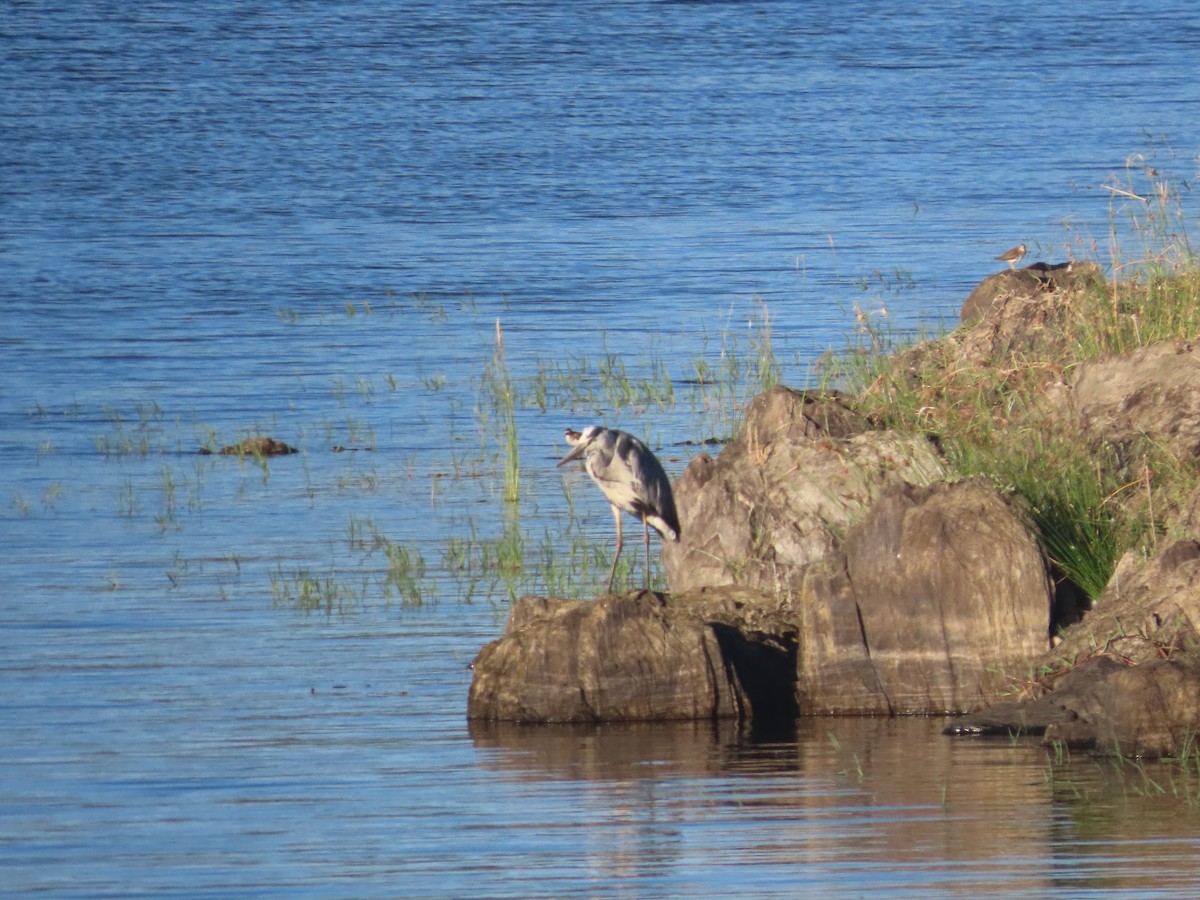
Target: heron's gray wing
[
  {"x": 633, "y": 479},
  {"x": 656, "y": 495}
]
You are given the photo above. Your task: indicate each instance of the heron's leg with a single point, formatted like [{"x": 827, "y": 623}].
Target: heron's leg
[
  {"x": 646, "y": 540},
  {"x": 617, "y": 553}
]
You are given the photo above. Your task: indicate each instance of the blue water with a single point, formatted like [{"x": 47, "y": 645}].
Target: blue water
[{"x": 305, "y": 219}]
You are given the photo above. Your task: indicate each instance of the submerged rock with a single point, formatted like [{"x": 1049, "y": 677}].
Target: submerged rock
[{"x": 254, "y": 446}]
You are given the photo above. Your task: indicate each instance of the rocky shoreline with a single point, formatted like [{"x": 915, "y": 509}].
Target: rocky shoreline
[{"x": 832, "y": 566}]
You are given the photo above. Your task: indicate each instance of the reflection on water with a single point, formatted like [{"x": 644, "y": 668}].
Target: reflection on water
[
  {"x": 843, "y": 808},
  {"x": 228, "y": 752}
]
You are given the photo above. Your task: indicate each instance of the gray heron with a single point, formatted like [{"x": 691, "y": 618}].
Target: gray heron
[
  {"x": 1013, "y": 256},
  {"x": 632, "y": 479}
]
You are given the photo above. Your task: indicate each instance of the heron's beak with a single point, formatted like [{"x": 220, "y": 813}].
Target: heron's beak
[{"x": 575, "y": 453}]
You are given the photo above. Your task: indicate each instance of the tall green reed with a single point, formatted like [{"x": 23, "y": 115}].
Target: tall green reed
[{"x": 502, "y": 396}]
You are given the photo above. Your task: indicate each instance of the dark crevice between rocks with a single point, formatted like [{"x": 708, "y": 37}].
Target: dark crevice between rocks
[
  {"x": 862, "y": 630},
  {"x": 719, "y": 676},
  {"x": 762, "y": 669},
  {"x": 590, "y": 714},
  {"x": 1070, "y": 604}
]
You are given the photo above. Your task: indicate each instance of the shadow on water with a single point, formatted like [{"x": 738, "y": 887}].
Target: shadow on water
[{"x": 636, "y": 750}]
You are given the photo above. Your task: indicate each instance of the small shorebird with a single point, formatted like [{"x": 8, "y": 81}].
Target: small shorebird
[
  {"x": 1013, "y": 256},
  {"x": 632, "y": 479}
]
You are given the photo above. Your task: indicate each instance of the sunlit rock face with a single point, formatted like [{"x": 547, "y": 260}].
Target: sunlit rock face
[
  {"x": 803, "y": 468},
  {"x": 936, "y": 595}
]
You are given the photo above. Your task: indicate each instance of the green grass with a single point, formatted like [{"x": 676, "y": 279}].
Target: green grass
[
  {"x": 1071, "y": 495},
  {"x": 496, "y": 410}
]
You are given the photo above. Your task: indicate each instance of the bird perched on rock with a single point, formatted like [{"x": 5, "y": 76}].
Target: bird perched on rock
[
  {"x": 1013, "y": 256},
  {"x": 632, "y": 479}
]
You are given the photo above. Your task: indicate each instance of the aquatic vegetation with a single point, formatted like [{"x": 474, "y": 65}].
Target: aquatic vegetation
[
  {"x": 405, "y": 572},
  {"x": 310, "y": 592},
  {"x": 505, "y": 404},
  {"x": 1174, "y": 780},
  {"x": 141, "y": 436}
]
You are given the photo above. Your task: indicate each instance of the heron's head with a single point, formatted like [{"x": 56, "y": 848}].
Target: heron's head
[{"x": 580, "y": 441}]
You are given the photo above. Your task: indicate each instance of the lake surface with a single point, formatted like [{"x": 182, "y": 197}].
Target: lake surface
[{"x": 221, "y": 677}]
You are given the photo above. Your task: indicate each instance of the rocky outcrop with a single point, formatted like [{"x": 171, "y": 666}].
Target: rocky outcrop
[
  {"x": 828, "y": 566},
  {"x": 932, "y": 604}
]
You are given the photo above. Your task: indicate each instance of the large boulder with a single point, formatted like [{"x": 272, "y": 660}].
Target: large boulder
[
  {"x": 935, "y": 604},
  {"x": 1000, "y": 289},
  {"x": 801, "y": 471},
  {"x": 639, "y": 656}
]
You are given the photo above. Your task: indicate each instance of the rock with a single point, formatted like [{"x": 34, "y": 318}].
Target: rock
[
  {"x": 1150, "y": 710},
  {"x": 1150, "y": 610},
  {"x": 254, "y": 446},
  {"x": 782, "y": 494},
  {"x": 1022, "y": 310},
  {"x": 1127, "y": 678},
  {"x": 937, "y": 602},
  {"x": 1188, "y": 522},
  {"x": 1079, "y": 692},
  {"x": 783, "y": 413},
  {"x": 1029, "y": 282},
  {"x": 936, "y": 594},
  {"x": 638, "y": 656},
  {"x": 1151, "y": 392},
  {"x": 827, "y": 566},
  {"x": 1106, "y": 707}
]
